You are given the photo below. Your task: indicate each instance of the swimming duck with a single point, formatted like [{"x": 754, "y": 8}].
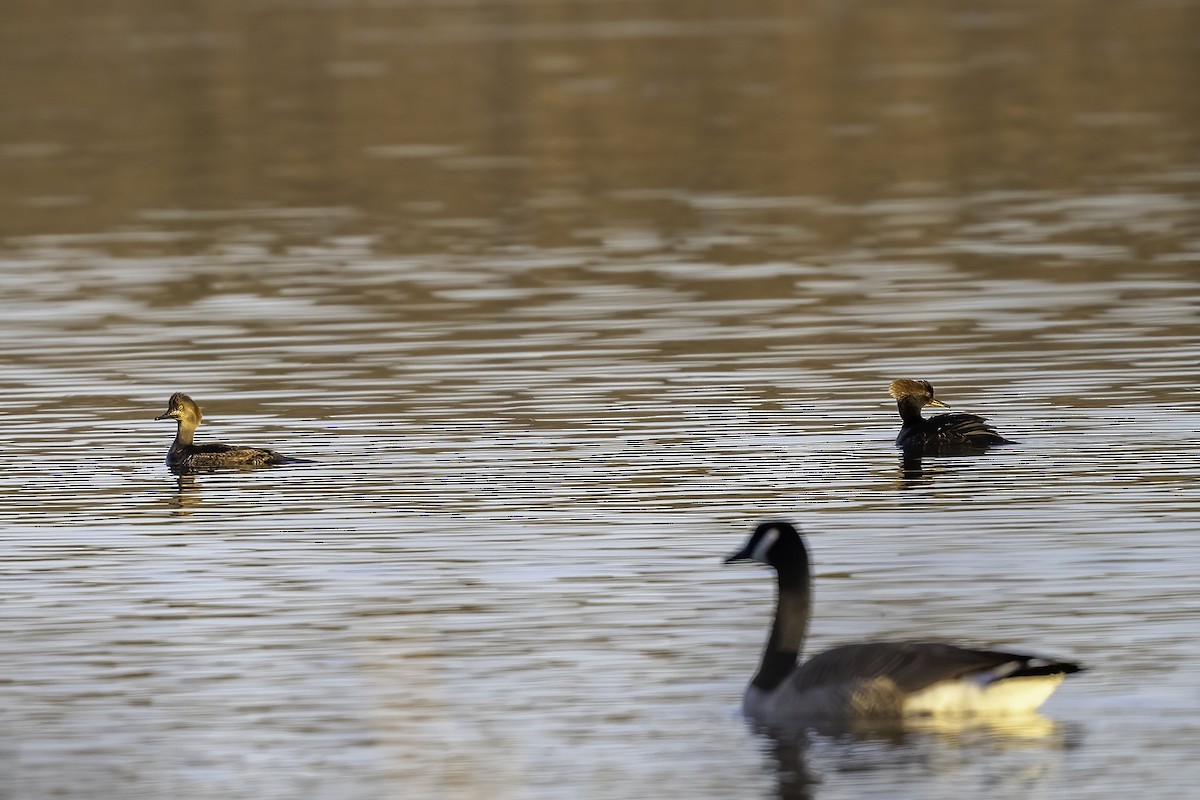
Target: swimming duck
[
  {"x": 944, "y": 433},
  {"x": 185, "y": 456},
  {"x": 875, "y": 680}
]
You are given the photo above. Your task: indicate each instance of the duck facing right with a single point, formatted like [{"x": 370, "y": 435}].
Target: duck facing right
[
  {"x": 875, "y": 680},
  {"x": 946, "y": 434}
]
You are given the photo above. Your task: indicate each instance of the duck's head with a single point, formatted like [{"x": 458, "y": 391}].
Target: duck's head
[
  {"x": 922, "y": 391},
  {"x": 182, "y": 409}
]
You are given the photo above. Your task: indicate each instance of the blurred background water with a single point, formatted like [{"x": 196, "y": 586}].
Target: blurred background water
[{"x": 561, "y": 298}]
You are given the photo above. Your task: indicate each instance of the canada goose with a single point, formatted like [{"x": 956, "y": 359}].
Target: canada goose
[
  {"x": 875, "y": 680},
  {"x": 185, "y": 456},
  {"x": 944, "y": 433}
]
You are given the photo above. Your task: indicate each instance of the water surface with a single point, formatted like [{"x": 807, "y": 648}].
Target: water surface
[{"x": 560, "y": 299}]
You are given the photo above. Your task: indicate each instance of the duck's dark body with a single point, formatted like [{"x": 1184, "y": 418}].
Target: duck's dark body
[
  {"x": 948, "y": 432},
  {"x": 944, "y": 433},
  {"x": 187, "y": 457},
  {"x": 216, "y": 456}
]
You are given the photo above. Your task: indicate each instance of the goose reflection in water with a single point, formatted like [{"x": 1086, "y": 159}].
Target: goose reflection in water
[{"x": 801, "y": 755}]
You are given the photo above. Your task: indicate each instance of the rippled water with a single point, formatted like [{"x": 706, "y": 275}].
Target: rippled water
[{"x": 560, "y": 300}]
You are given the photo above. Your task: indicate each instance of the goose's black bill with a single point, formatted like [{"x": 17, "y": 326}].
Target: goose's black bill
[{"x": 740, "y": 555}]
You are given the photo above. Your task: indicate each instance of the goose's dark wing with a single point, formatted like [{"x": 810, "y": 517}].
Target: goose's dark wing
[{"x": 913, "y": 666}]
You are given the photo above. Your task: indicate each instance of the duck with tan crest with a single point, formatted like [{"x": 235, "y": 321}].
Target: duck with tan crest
[
  {"x": 875, "y": 680},
  {"x": 184, "y": 456},
  {"x": 942, "y": 434}
]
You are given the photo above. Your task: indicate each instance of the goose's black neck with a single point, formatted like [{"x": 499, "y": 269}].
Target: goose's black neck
[
  {"x": 789, "y": 630},
  {"x": 910, "y": 410}
]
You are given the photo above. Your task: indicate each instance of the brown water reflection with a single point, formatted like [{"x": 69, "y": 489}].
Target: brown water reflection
[
  {"x": 560, "y": 297},
  {"x": 435, "y": 126}
]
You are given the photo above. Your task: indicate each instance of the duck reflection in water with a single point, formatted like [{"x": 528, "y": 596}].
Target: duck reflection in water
[
  {"x": 911, "y": 471},
  {"x": 186, "y": 497}
]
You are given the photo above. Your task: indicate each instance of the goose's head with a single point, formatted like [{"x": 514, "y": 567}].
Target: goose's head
[
  {"x": 775, "y": 543},
  {"x": 182, "y": 409},
  {"x": 920, "y": 391}
]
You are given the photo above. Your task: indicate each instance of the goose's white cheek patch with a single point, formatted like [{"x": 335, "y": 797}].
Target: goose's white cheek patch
[{"x": 759, "y": 553}]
